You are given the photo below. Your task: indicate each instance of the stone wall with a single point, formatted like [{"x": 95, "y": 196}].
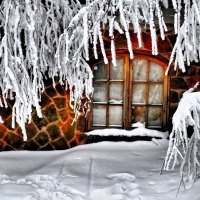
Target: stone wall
[{"x": 54, "y": 131}]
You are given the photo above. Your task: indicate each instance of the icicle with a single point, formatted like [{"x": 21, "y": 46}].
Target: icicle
[
  {"x": 95, "y": 42},
  {"x": 1, "y": 120},
  {"x": 102, "y": 45},
  {"x": 113, "y": 52},
  {"x": 85, "y": 36}
]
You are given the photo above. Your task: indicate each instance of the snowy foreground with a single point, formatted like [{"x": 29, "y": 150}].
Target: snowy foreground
[{"x": 103, "y": 171}]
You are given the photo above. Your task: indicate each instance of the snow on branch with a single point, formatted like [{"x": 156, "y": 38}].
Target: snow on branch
[
  {"x": 29, "y": 36},
  {"x": 86, "y": 27},
  {"x": 183, "y": 149},
  {"x": 85, "y": 30},
  {"x": 187, "y": 28}
]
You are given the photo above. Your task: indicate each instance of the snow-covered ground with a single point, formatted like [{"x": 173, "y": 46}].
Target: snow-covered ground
[{"x": 103, "y": 171}]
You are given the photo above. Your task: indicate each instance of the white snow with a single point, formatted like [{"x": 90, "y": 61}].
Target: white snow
[
  {"x": 103, "y": 171},
  {"x": 140, "y": 131}
]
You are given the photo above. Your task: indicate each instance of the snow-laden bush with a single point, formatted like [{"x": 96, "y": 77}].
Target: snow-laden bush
[{"x": 183, "y": 147}]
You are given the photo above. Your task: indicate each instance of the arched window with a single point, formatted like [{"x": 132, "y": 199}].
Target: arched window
[{"x": 133, "y": 91}]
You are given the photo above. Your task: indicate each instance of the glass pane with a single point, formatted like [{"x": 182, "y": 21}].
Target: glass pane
[
  {"x": 138, "y": 114},
  {"x": 156, "y": 72},
  {"x": 100, "y": 92},
  {"x": 115, "y": 115},
  {"x": 139, "y": 70},
  {"x": 116, "y": 93},
  {"x": 116, "y": 72},
  {"x": 154, "y": 116},
  {"x": 139, "y": 93},
  {"x": 155, "y": 94},
  {"x": 99, "y": 115},
  {"x": 100, "y": 72}
]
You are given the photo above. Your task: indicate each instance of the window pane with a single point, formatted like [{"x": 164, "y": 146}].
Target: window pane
[
  {"x": 139, "y": 70},
  {"x": 115, "y": 115},
  {"x": 155, "y": 94},
  {"x": 154, "y": 116},
  {"x": 116, "y": 93},
  {"x": 100, "y": 92},
  {"x": 116, "y": 72},
  {"x": 100, "y": 72},
  {"x": 138, "y": 114},
  {"x": 139, "y": 93},
  {"x": 99, "y": 115},
  {"x": 156, "y": 72}
]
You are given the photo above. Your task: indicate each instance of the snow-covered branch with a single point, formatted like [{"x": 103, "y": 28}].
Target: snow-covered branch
[
  {"x": 183, "y": 148},
  {"x": 29, "y": 37},
  {"x": 85, "y": 30},
  {"x": 187, "y": 28},
  {"x": 86, "y": 27}
]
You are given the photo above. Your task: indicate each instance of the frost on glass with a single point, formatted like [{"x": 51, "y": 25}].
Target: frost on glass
[
  {"x": 100, "y": 72},
  {"x": 99, "y": 115},
  {"x": 154, "y": 116},
  {"x": 138, "y": 114},
  {"x": 156, "y": 72},
  {"x": 155, "y": 94},
  {"x": 115, "y": 116},
  {"x": 116, "y": 93},
  {"x": 100, "y": 92},
  {"x": 139, "y": 70},
  {"x": 116, "y": 72},
  {"x": 139, "y": 93}
]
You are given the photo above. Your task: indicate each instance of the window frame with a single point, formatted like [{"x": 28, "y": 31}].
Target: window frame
[{"x": 127, "y": 94}]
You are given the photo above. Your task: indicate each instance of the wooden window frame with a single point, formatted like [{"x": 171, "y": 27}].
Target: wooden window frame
[{"x": 127, "y": 94}]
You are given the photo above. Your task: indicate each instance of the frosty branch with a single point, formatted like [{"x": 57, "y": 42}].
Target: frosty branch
[
  {"x": 182, "y": 148},
  {"x": 27, "y": 50}
]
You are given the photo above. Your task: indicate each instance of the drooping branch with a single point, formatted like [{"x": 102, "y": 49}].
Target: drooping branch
[
  {"x": 86, "y": 27},
  {"x": 187, "y": 28},
  {"x": 85, "y": 30},
  {"x": 183, "y": 148},
  {"x": 29, "y": 37}
]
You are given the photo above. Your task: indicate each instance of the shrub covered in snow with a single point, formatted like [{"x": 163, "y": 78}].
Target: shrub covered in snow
[{"x": 184, "y": 149}]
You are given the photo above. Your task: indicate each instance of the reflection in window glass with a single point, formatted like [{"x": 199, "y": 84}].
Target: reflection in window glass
[
  {"x": 115, "y": 115},
  {"x": 99, "y": 115},
  {"x": 154, "y": 116},
  {"x": 155, "y": 94},
  {"x": 139, "y": 93},
  {"x": 100, "y": 94},
  {"x": 116, "y": 93},
  {"x": 100, "y": 72},
  {"x": 138, "y": 114},
  {"x": 156, "y": 72},
  {"x": 139, "y": 70},
  {"x": 116, "y": 72}
]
